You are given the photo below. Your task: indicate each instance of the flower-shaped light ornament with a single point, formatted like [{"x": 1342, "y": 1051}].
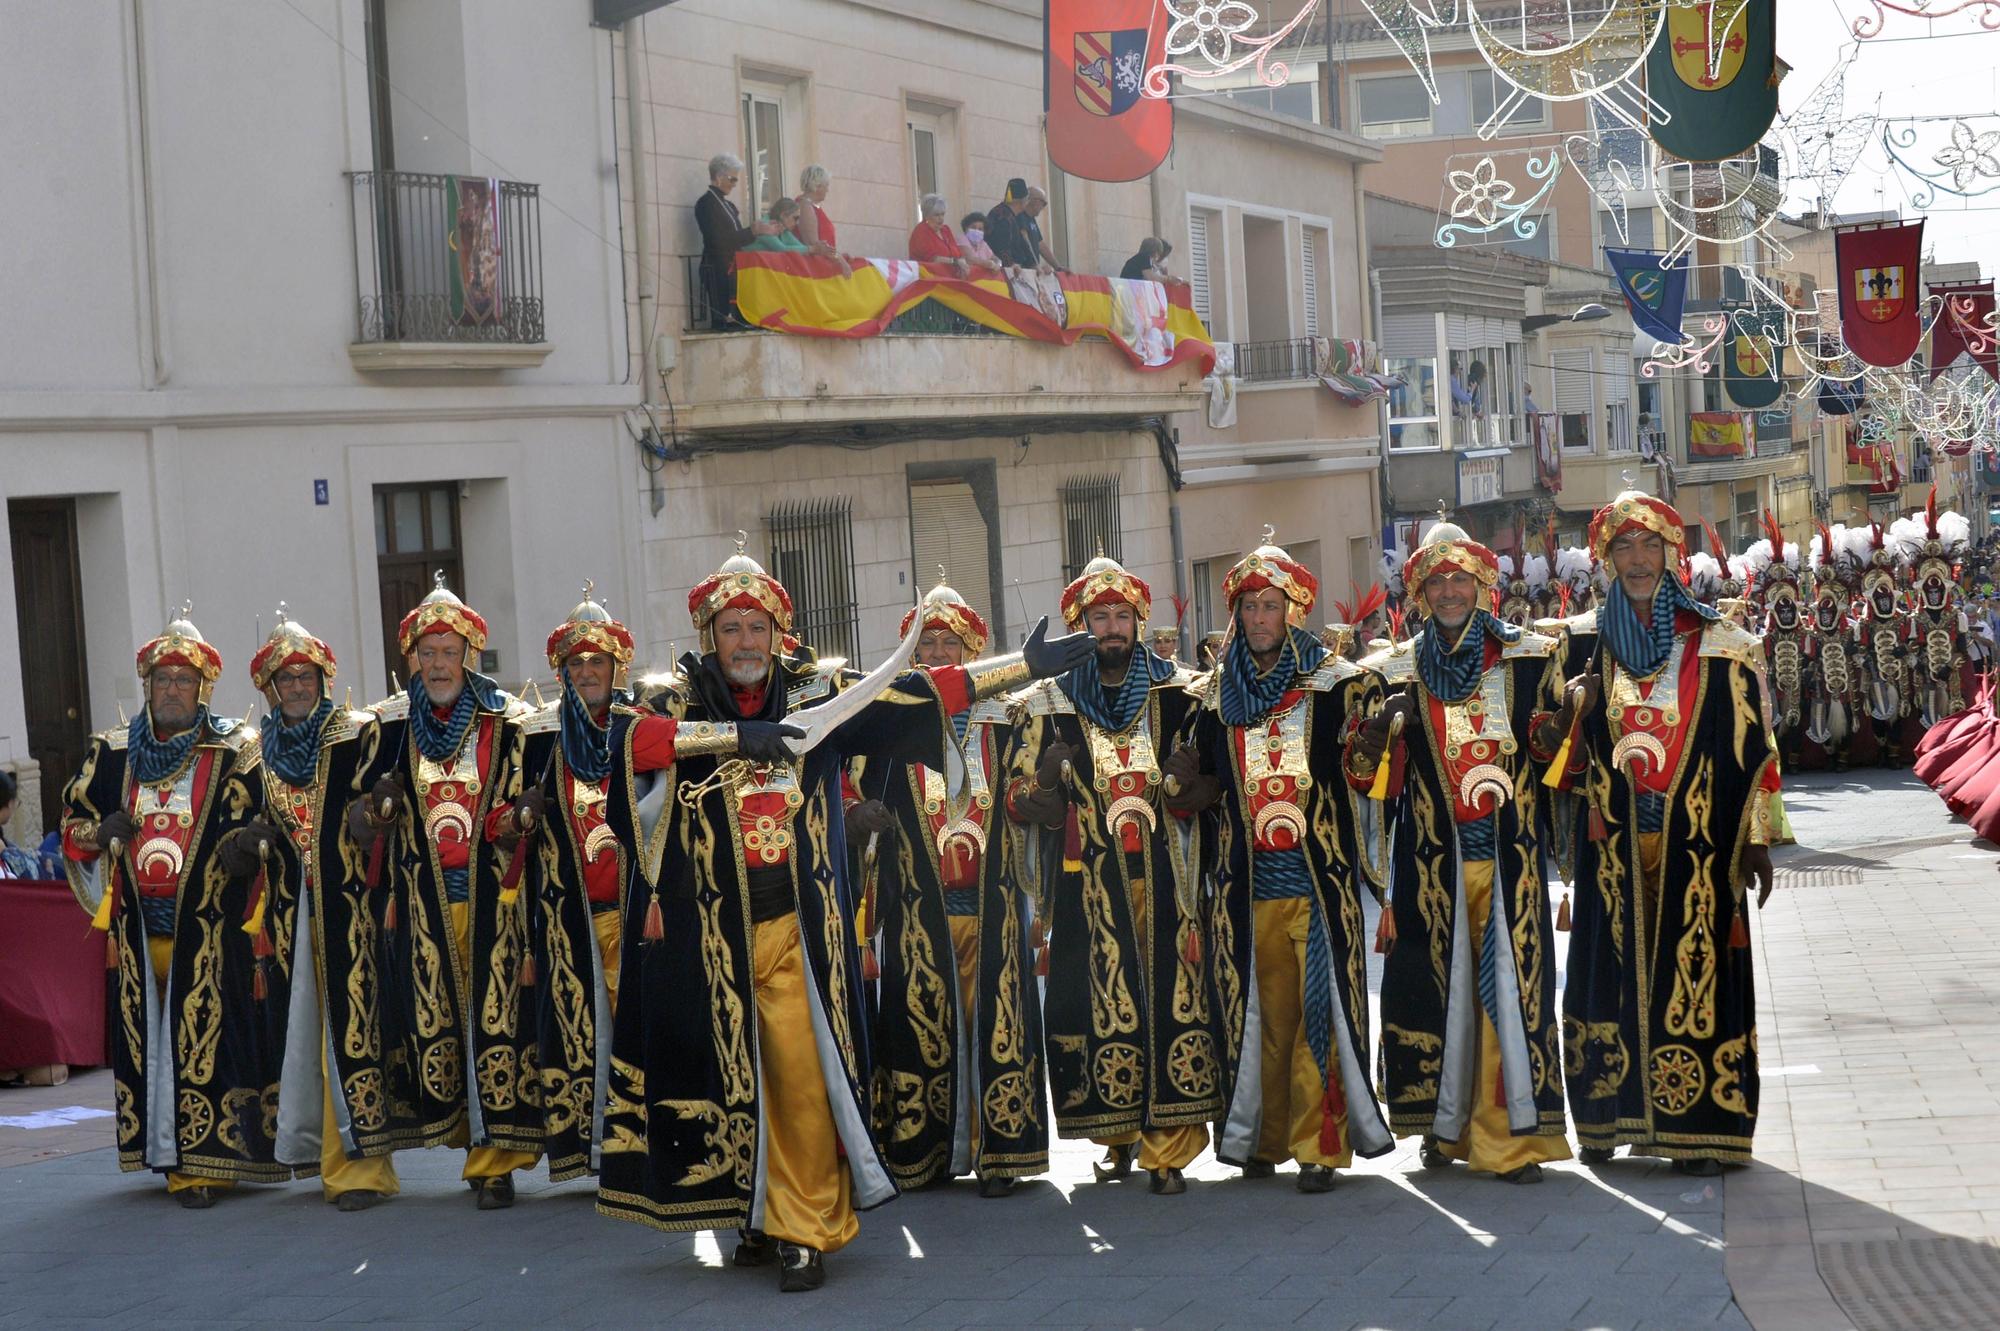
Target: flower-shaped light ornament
[
  {"x": 1477, "y": 194},
  {"x": 1209, "y": 26},
  {"x": 1970, "y": 155}
]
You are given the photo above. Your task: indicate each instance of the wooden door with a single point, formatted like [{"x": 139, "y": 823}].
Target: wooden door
[
  {"x": 48, "y": 603},
  {"x": 416, "y": 537}
]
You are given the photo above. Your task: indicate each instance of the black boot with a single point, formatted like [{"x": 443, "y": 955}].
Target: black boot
[
  {"x": 754, "y": 1248},
  {"x": 1528, "y": 1173},
  {"x": 1167, "y": 1183},
  {"x": 496, "y": 1194},
  {"x": 1432, "y": 1155},
  {"x": 358, "y": 1200},
  {"x": 1316, "y": 1178},
  {"x": 1594, "y": 1155},
  {"x": 805, "y": 1268},
  {"x": 1699, "y": 1168},
  {"x": 996, "y": 1187},
  {"x": 1116, "y": 1164},
  {"x": 196, "y": 1199},
  {"x": 1259, "y": 1169}
]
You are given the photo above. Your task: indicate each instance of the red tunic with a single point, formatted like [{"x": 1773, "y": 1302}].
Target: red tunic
[
  {"x": 1273, "y": 807},
  {"x": 584, "y": 805}
]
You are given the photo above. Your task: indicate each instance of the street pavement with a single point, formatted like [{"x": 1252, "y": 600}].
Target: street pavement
[{"x": 1878, "y": 1148}]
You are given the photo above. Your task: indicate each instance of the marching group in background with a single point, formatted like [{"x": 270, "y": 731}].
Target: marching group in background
[{"x": 763, "y": 941}]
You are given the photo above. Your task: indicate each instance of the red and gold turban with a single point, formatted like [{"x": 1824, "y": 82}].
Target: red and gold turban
[
  {"x": 945, "y": 609},
  {"x": 1446, "y": 547},
  {"x": 1633, "y": 511},
  {"x": 290, "y": 644},
  {"x": 590, "y": 628},
  {"x": 1104, "y": 581},
  {"x": 740, "y": 584},
  {"x": 1270, "y": 566},
  {"x": 181, "y": 643},
  {"x": 441, "y": 612}
]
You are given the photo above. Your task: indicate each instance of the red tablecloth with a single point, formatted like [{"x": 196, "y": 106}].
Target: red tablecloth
[{"x": 52, "y": 989}]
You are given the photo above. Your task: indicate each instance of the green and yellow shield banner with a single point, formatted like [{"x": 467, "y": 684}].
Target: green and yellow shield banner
[{"x": 1715, "y": 72}]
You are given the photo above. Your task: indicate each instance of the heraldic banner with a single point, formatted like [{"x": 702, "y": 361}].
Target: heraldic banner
[
  {"x": 1150, "y": 322},
  {"x": 1964, "y": 327},
  {"x": 1750, "y": 372},
  {"x": 1101, "y": 125},
  {"x": 1717, "y": 434},
  {"x": 1656, "y": 295},
  {"x": 1878, "y": 291},
  {"x": 1717, "y": 78}
]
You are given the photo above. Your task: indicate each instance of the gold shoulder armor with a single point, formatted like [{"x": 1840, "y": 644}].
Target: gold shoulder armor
[
  {"x": 1396, "y": 664},
  {"x": 542, "y": 720},
  {"x": 1724, "y": 637},
  {"x": 1043, "y": 698},
  {"x": 394, "y": 708},
  {"x": 1530, "y": 644},
  {"x": 1332, "y": 673},
  {"x": 988, "y": 712},
  {"x": 344, "y": 724},
  {"x": 114, "y": 739}
]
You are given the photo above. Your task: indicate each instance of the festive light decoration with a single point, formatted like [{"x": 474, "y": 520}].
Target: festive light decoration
[
  {"x": 1606, "y": 46},
  {"x": 1213, "y": 30},
  {"x": 1823, "y": 142},
  {"x": 1967, "y": 166},
  {"x": 1693, "y": 354},
  {"x": 1482, "y": 200},
  {"x": 1607, "y": 175},
  {"x": 1871, "y": 25},
  {"x": 1408, "y": 24},
  {"x": 1724, "y": 203}
]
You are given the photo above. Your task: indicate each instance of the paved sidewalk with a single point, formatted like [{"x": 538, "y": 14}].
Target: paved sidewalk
[{"x": 1876, "y": 1198}]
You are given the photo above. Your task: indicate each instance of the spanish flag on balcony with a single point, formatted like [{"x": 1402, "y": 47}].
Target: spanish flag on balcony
[
  {"x": 1717, "y": 434},
  {"x": 1151, "y": 323}
]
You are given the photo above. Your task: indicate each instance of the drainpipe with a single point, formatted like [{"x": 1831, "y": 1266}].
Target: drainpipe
[
  {"x": 639, "y": 121},
  {"x": 1177, "y": 546},
  {"x": 1387, "y": 491}
]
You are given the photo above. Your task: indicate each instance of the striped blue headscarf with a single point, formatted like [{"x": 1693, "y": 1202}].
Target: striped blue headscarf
[
  {"x": 1452, "y": 673},
  {"x": 153, "y": 759},
  {"x": 1115, "y": 711},
  {"x": 1642, "y": 648},
  {"x": 1247, "y": 696},
  {"x": 293, "y": 750}
]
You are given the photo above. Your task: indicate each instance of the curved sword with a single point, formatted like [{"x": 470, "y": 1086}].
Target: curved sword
[{"x": 820, "y": 721}]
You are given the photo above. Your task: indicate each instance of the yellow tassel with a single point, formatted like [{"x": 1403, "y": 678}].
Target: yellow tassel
[
  {"x": 509, "y": 895},
  {"x": 1378, "y": 789},
  {"x": 101, "y": 921},
  {"x": 255, "y": 924},
  {"x": 1558, "y": 765}
]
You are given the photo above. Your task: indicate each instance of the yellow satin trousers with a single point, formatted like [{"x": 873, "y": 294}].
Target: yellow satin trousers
[
  {"x": 1294, "y": 1088},
  {"x": 807, "y": 1198},
  {"x": 1489, "y": 1143}
]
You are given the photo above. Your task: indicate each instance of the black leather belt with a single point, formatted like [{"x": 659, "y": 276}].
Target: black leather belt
[{"x": 771, "y": 894}]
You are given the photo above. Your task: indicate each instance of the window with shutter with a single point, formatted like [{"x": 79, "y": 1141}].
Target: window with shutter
[
  {"x": 947, "y": 530},
  {"x": 1309, "y": 268},
  {"x": 1198, "y": 264},
  {"x": 1574, "y": 399}
]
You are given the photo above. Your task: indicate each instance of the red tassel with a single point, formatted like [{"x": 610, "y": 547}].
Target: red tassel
[
  {"x": 1042, "y": 962},
  {"x": 1191, "y": 950},
  {"x": 260, "y": 945},
  {"x": 528, "y": 974},
  {"x": 1072, "y": 841},
  {"x": 111, "y": 952},
  {"x": 871, "y": 969},
  {"x": 656, "y": 928},
  {"x": 1332, "y": 1110},
  {"x": 258, "y": 987},
  {"x": 1598, "y": 831},
  {"x": 1398, "y": 760},
  {"x": 389, "y": 915},
  {"x": 1562, "y": 915},
  {"x": 1739, "y": 931}
]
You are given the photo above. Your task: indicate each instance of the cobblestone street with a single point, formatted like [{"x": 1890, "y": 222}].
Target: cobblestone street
[{"x": 1874, "y": 1202}]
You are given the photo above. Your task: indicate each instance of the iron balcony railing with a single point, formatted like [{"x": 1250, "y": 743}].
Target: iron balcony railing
[
  {"x": 1275, "y": 362},
  {"x": 447, "y": 258}
]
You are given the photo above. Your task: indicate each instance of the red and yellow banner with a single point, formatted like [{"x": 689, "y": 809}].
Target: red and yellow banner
[
  {"x": 1717, "y": 434},
  {"x": 1150, "y": 322}
]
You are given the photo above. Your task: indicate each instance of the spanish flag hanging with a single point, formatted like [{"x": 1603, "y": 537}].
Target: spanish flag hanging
[{"x": 1101, "y": 123}]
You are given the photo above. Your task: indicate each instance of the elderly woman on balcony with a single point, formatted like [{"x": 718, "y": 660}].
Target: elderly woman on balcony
[
  {"x": 785, "y": 216},
  {"x": 722, "y": 235},
  {"x": 814, "y": 227},
  {"x": 932, "y": 241}
]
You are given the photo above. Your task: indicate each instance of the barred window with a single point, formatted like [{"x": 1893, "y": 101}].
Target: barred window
[
  {"x": 1090, "y": 522},
  {"x": 812, "y": 554}
]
